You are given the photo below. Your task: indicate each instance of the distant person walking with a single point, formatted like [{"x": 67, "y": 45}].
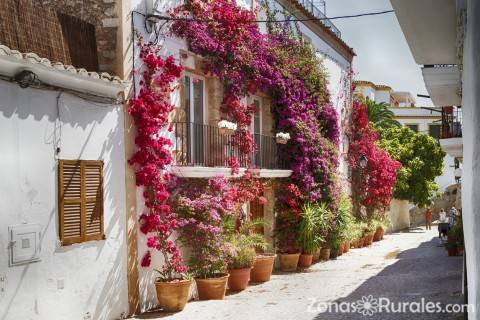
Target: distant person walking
[
  {"x": 443, "y": 216},
  {"x": 428, "y": 219},
  {"x": 452, "y": 216}
]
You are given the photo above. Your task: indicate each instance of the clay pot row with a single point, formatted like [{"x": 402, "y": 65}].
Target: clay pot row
[{"x": 173, "y": 296}]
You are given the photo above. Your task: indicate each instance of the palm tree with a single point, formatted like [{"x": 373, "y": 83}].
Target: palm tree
[{"x": 380, "y": 115}]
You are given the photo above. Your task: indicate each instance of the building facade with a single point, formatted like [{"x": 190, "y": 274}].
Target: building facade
[
  {"x": 446, "y": 48},
  {"x": 70, "y": 240}
]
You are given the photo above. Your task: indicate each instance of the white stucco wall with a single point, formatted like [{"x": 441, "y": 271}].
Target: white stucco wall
[
  {"x": 382, "y": 96},
  {"x": 94, "y": 274},
  {"x": 471, "y": 154},
  {"x": 399, "y": 214}
]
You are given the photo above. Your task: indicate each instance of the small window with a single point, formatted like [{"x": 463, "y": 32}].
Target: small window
[
  {"x": 80, "y": 189},
  {"x": 413, "y": 127},
  {"x": 434, "y": 130}
]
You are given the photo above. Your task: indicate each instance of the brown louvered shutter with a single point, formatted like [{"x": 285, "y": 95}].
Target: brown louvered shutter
[
  {"x": 93, "y": 177},
  {"x": 80, "y": 200}
]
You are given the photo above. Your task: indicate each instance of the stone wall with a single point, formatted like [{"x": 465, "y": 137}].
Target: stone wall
[{"x": 103, "y": 15}]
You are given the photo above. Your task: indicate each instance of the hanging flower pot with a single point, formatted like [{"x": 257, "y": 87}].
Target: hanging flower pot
[
  {"x": 263, "y": 267},
  {"x": 226, "y": 127},
  {"x": 289, "y": 262},
  {"x": 282, "y": 137},
  {"x": 173, "y": 295},
  {"x": 212, "y": 288}
]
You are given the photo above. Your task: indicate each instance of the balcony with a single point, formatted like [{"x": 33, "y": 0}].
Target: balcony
[
  {"x": 202, "y": 151},
  {"x": 451, "y": 135},
  {"x": 317, "y": 13}
]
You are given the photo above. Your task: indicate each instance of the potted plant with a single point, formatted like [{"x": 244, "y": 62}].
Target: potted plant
[
  {"x": 226, "y": 127},
  {"x": 242, "y": 255},
  {"x": 173, "y": 283},
  {"x": 201, "y": 210},
  {"x": 286, "y": 242},
  {"x": 382, "y": 224},
  {"x": 172, "y": 291},
  {"x": 282, "y": 137},
  {"x": 325, "y": 252},
  {"x": 309, "y": 233},
  {"x": 369, "y": 231},
  {"x": 334, "y": 243},
  {"x": 452, "y": 248}
]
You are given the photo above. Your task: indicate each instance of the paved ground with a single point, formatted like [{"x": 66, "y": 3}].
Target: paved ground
[{"x": 405, "y": 267}]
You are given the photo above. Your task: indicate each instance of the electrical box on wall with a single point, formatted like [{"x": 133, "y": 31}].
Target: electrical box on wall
[{"x": 24, "y": 243}]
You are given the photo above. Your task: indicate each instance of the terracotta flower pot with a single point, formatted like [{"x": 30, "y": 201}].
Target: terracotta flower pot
[
  {"x": 281, "y": 141},
  {"x": 305, "y": 260},
  {"x": 339, "y": 250},
  {"x": 452, "y": 252},
  {"x": 347, "y": 247},
  {"x": 369, "y": 239},
  {"x": 325, "y": 254},
  {"x": 316, "y": 255},
  {"x": 361, "y": 242},
  {"x": 226, "y": 131},
  {"x": 173, "y": 296},
  {"x": 212, "y": 288},
  {"x": 238, "y": 279},
  {"x": 378, "y": 234},
  {"x": 333, "y": 253},
  {"x": 263, "y": 267},
  {"x": 289, "y": 262}
]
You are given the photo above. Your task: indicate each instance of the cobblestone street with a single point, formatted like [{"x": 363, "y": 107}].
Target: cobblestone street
[{"x": 405, "y": 267}]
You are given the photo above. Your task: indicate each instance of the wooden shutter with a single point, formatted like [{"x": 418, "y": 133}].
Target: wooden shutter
[{"x": 80, "y": 201}]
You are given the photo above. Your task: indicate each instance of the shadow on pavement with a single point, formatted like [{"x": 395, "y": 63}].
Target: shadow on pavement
[{"x": 425, "y": 272}]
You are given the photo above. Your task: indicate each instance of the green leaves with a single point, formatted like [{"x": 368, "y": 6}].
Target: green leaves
[
  {"x": 380, "y": 115},
  {"x": 422, "y": 162}
]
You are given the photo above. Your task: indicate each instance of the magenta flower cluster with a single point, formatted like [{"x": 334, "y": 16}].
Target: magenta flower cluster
[{"x": 277, "y": 63}]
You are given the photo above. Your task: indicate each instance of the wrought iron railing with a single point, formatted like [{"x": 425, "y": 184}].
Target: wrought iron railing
[
  {"x": 451, "y": 122},
  {"x": 208, "y": 146},
  {"x": 317, "y": 13}
]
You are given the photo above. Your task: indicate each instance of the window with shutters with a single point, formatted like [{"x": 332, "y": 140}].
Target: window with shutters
[{"x": 80, "y": 200}]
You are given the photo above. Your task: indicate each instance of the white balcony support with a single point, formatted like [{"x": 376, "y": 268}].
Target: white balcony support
[
  {"x": 453, "y": 146},
  {"x": 211, "y": 172}
]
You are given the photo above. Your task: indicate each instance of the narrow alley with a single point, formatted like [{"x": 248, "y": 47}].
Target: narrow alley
[{"x": 405, "y": 267}]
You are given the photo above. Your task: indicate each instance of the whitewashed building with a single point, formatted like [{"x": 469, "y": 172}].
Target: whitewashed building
[{"x": 444, "y": 40}]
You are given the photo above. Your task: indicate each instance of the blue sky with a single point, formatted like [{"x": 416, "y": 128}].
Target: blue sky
[{"x": 383, "y": 55}]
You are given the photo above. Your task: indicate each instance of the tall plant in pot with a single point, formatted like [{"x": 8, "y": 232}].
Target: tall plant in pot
[
  {"x": 201, "y": 212},
  {"x": 311, "y": 231},
  {"x": 286, "y": 240},
  {"x": 242, "y": 255}
]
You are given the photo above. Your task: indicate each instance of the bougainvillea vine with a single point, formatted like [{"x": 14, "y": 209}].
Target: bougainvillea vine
[
  {"x": 150, "y": 110},
  {"x": 278, "y": 63},
  {"x": 373, "y": 185}
]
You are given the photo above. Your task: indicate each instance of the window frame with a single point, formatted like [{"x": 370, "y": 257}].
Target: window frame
[
  {"x": 430, "y": 125},
  {"x": 413, "y": 124},
  {"x": 83, "y": 200}
]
